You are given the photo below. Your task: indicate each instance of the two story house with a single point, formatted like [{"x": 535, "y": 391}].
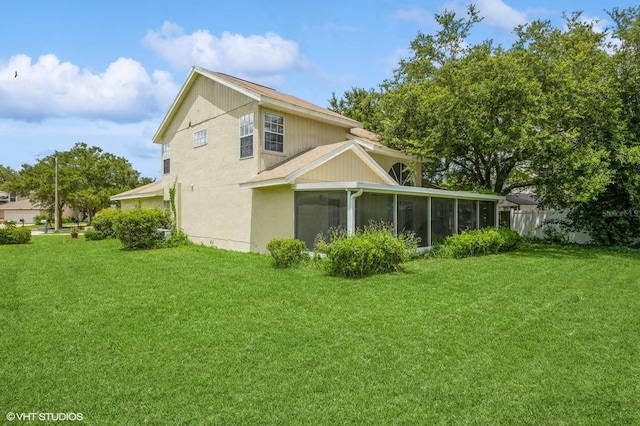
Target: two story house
[{"x": 249, "y": 163}]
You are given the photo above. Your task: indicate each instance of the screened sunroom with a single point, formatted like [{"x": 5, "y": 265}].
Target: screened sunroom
[{"x": 432, "y": 214}]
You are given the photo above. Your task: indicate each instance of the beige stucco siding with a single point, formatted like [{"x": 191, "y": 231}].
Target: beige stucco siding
[
  {"x": 211, "y": 208},
  {"x": 344, "y": 168},
  {"x": 300, "y": 134},
  {"x": 216, "y": 216},
  {"x": 272, "y": 215}
]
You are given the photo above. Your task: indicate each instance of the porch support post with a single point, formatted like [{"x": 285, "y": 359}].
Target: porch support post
[
  {"x": 395, "y": 214},
  {"x": 477, "y": 202},
  {"x": 455, "y": 216},
  {"x": 428, "y": 222},
  {"x": 497, "y": 214}
]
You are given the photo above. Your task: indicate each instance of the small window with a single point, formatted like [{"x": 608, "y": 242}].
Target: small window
[
  {"x": 246, "y": 135},
  {"x": 166, "y": 158},
  {"x": 12, "y": 198},
  {"x": 200, "y": 138},
  {"x": 273, "y": 133}
]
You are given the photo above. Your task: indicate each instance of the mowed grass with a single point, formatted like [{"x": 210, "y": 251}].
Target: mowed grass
[{"x": 547, "y": 335}]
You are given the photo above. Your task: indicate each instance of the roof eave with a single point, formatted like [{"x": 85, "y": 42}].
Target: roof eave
[
  {"x": 395, "y": 189},
  {"x": 137, "y": 196}
]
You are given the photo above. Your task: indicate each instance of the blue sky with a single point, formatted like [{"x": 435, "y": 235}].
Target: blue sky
[{"x": 105, "y": 72}]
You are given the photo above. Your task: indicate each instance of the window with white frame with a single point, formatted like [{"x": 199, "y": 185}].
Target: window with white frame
[
  {"x": 200, "y": 138},
  {"x": 273, "y": 133},
  {"x": 166, "y": 158},
  {"x": 246, "y": 135}
]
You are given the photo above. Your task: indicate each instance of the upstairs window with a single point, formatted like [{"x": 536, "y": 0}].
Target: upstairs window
[
  {"x": 246, "y": 135},
  {"x": 166, "y": 158},
  {"x": 200, "y": 138},
  {"x": 273, "y": 133},
  {"x": 13, "y": 198}
]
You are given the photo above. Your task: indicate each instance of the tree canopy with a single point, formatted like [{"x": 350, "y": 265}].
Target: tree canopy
[
  {"x": 557, "y": 111},
  {"x": 87, "y": 178}
]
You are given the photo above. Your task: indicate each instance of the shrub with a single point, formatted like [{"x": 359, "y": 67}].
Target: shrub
[
  {"x": 138, "y": 228},
  {"x": 477, "y": 242},
  {"x": 92, "y": 234},
  {"x": 287, "y": 252},
  {"x": 176, "y": 239},
  {"x": 13, "y": 235},
  {"x": 103, "y": 222},
  {"x": 373, "y": 250}
]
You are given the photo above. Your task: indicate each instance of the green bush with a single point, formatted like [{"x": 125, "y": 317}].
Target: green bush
[
  {"x": 138, "y": 228},
  {"x": 477, "y": 242},
  {"x": 373, "y": 250},
  {"x": 13, "y": 235},
  {"x": 92, "y": 234},
  {"x": 287, "y": 252},
  {"x": 176, "y": 239},
  {"x": 103, "y": 222}
]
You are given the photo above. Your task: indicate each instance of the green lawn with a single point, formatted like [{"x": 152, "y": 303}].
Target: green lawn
[{"x": 195, "y": 335}]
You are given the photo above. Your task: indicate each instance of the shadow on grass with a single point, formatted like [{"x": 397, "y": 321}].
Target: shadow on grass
[{"x": 575, "y": 251}]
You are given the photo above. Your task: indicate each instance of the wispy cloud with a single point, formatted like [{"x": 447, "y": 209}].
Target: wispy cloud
[
  {"x": 49, "y": 88},
  {"x": 261, "y": 56},
  {"x": 414, "y": 14}
]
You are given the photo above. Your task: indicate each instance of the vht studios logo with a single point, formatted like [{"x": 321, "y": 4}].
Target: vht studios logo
[{"x": 45, "y": 417}]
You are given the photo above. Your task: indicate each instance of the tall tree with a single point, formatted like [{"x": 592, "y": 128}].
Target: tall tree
[
  {"x": 6, "y": 174},
  {"x": 87, "y": 178},
  {"x": 359, "y": 104},
  {"x": 471, "y": 112}
]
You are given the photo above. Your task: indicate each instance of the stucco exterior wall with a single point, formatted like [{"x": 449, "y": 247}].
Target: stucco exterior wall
[{"x": 273, "y": 216}]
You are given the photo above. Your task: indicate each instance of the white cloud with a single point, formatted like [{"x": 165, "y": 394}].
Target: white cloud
[
  {"x": 496, "y": 13},
  {"x": 48, "y": 88},
  {"x": 414, "y": 14},
  {"x": 500, "y": 15},
  {"x": 249, "y": 56}
]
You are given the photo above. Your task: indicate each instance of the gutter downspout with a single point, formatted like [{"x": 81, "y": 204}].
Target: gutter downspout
[{"x": 351, "y": 210}]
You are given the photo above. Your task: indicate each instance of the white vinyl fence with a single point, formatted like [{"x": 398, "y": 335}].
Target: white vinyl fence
[{"x": 530, "y": 223}]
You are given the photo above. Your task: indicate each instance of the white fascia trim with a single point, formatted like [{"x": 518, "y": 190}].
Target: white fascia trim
[
  {"x": 135, "y": 196},
  {"x": 264, "y": 183},
  {"x": 395, "y": 189},
  {"x": 377, "y": 169},
  {"x": 385, "y": 150},
  {"x": 172, "y": 110},
  {"x": 247, "y": 92}
]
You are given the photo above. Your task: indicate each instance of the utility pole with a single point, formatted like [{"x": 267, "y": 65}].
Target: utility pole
[{"x": 57, "y": 213}]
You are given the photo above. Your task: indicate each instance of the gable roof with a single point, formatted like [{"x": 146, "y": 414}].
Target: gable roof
[
  {"x": 265, "y": 96},
  {"x": 153, "y": 189},
  {"x": 287, "y": 171},
  {"x": 522, "y": 199}
]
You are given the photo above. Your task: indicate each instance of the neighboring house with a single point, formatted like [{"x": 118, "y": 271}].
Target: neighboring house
[
  {"x": 150, "y": 195},
  {"x": 20, "y": 209},
  {"x": 250, "y": 163},
  {"x": 519, "y": 201}
]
